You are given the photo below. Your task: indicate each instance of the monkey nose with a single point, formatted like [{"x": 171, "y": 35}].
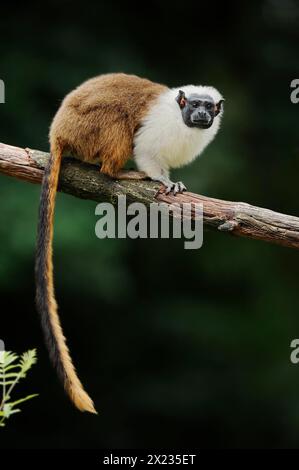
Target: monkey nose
[{"x": 202, "y": 115}]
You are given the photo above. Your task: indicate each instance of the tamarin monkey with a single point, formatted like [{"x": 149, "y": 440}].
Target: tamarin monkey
[{"x": 107, "y": 120}]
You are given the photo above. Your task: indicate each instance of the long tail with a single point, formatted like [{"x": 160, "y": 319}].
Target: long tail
[{"x": 45, "y": 296}]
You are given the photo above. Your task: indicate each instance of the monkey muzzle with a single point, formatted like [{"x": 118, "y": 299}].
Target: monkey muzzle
[{"x": 201, "y": 119}]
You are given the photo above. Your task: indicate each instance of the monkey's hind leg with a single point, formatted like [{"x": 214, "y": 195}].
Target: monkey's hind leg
[
  {"x": 117, "y": 150},
  {"x": 112, "y": 164}
]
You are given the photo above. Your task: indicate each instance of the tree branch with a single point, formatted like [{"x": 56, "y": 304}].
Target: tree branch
[{"x": 85, "y": 181}]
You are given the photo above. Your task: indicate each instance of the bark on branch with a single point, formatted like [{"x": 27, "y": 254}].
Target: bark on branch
[{"x": 85, "y": 181}]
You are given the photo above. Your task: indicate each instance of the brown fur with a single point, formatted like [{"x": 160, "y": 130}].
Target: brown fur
[{"x": 96, "y": 122}]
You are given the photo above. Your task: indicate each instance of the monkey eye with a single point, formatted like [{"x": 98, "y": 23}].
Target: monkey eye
[
  {"x": 209, "y": 105},
  {"x": 195, "y": 104}
]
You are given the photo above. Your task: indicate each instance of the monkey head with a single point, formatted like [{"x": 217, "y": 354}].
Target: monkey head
[{"x": 198, "y": 110}]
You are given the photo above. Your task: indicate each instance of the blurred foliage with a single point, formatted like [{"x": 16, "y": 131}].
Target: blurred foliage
[
  {"x": 177, "y": 347},
  {"x": 11, "y": 372}
]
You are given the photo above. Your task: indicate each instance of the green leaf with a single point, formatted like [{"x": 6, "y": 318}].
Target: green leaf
[
  {"x": 11, "y": 374},
  {"x": 27, "y": 360},
  {"x": 9, "y": 357},
  {"x": 12, "y": 412},
  {"x": 6, "y": 410},
  {"x": 15, "y": 366},
  {"x": 21, "y": 400}
]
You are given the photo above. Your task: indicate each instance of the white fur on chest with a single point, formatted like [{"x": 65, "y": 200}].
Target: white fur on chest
[{"x": 165, "y": 138}]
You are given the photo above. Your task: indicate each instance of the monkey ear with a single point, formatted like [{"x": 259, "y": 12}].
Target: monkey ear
[
  {"x": 181, "y": 99},
  {"x": 219, "y": 107}
]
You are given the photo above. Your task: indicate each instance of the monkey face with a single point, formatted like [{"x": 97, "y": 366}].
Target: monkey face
[{"x": 198, "y": 110}]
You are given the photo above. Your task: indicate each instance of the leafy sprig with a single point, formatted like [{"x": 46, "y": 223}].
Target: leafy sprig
[{"x": 12, "y": 369}]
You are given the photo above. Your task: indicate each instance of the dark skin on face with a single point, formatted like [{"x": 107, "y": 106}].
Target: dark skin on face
[{"x": 198, "y": 110}]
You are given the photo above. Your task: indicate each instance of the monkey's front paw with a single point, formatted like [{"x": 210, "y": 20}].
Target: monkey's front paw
[{"x": 175, "y": 188}]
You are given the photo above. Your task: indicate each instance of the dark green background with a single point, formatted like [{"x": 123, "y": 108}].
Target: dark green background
[{"x": 178, "y": 348}]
